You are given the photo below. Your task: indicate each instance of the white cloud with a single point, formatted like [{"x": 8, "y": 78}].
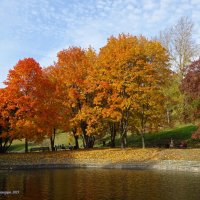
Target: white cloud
[
  {"x": 195, "y": 2},
  {"x": 150, "y": 5},
  {"x": 49, "y": 58}
]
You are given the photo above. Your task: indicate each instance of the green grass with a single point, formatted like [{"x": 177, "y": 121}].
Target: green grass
[
  {"x": 160, "y": 139},
  {"x": 61, "y": 138}
]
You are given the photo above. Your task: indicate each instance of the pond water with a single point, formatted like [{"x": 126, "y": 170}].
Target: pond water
[{"x": 99, "y": 184}]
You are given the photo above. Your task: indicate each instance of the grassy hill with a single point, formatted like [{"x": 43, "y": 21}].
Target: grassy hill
[
  {"x": 61, "y": 138},
  {"x": 160, "y": 139}
]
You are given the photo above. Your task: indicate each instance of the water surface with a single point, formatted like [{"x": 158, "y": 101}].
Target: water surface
[{"x": 99, "y": 184}]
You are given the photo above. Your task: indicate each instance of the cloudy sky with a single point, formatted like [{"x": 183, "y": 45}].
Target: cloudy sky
[{"x": 41, "y": 28}]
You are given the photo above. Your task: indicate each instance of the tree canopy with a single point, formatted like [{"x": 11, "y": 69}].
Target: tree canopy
[{"x": 125, "y": 87}]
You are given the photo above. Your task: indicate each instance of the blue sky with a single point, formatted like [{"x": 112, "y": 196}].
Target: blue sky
[{"x": 41, "y": 28}]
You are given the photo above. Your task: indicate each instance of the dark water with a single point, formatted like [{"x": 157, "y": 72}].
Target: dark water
[{"x": 99, "y": 184}]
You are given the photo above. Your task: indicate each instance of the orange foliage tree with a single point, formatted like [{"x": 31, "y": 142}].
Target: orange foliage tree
[
  {"x": 8, "y": 119},
  {"x": 133, "y": 70},
  {"x": 116, "y": 91},
  {"x": 51, "y": 115},
  {"x": 74, "y": 67},
  {"x": 22, "y": 82}
]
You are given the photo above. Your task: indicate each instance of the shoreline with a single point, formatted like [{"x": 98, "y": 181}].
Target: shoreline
[
  {"x": 153, "y": 159},
  {"x": 167, "y": 165}
]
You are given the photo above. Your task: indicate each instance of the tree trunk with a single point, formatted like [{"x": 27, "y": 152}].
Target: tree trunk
[
  {"x": 5, "y": 144},
  {"x": 143, "y": 122},
  {"x": 76, "y": 142},
  {"x": 123, "y": 131},
  {"x": 124, "y": 140},
  {"x": 113, "y": 132},
  {"x": 75, "y": 138},
  {"x": 143, "y": 141},
  {"x": 88, "y": 140},
  {"x": 52, "y": 140},
  {"x": 122, "y": 143},
  {"x": 83, "y": 128},
  {"x": 84, "y": 145},
  {"x": 26, "y": 145},
  {"x": 168, "y": 117}
]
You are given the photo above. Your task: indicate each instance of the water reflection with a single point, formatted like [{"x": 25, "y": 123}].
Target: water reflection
[{"x": 93, "y": 184}]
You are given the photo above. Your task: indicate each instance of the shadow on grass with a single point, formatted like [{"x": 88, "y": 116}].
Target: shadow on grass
[
  {"x": 20, "y": 147},
  {"x": 162, "y": 138}
]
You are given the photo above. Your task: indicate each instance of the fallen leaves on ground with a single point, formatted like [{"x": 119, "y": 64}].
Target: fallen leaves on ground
[{"x": 99, "y": 156}]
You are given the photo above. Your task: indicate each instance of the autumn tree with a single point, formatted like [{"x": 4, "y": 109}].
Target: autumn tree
[
  {"x": 74, "y": 66},
  {"x": 51, "y": 114},
  {"x": 179, "y": 41},
  {"x": 8, "y": 119},
  {"x": 22, "y": 84},
  {"x": 191, "y": 81},
  {"x": 134, "y": 70},
  {"x": 191, "y": 84},
  {"x": 191, "y": 87}
]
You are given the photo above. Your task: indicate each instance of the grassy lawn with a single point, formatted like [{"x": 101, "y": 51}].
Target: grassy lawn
[
  {"x": 160, "y": 139},
  {"x": 163, "y": 138},
  {"x": 61, "y": 138}
]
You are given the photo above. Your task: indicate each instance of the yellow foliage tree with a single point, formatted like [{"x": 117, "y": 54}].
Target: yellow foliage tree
[{"x": 133, "y": 69}]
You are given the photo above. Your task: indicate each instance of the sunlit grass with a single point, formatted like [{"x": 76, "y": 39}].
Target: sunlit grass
[
  {"x": 61, "y": 138},
  {"x": 160, "y": 139}
]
